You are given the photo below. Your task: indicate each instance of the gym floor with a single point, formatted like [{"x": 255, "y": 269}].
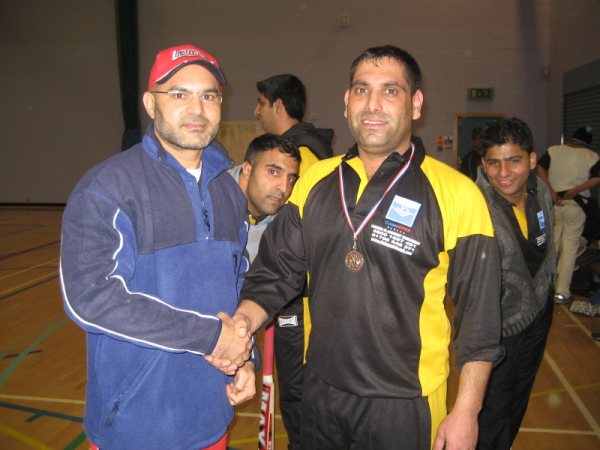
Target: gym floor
[{"x": 42, "y": 359}]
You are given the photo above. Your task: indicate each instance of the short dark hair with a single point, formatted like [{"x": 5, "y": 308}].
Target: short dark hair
[
  {"x": 289, "y": 89},
  {"x": 389, "y": 51},
  {"x": 477, "y": 133},
  {"x": 267, "y": 142},
  {"x": 508, "y": 131}
]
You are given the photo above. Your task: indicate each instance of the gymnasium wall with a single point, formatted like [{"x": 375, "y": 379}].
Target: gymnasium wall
[{"x": 60, "y": 107}]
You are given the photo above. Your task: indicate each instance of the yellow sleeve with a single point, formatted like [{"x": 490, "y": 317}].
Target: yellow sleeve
[{"x": 308, "y": 159}]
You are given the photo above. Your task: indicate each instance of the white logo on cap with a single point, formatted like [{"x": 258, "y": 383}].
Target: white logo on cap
[{"x": 186, "y": 52}]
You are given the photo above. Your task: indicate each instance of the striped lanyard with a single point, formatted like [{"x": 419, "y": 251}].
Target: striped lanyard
[{"x": 363, "y": 224}]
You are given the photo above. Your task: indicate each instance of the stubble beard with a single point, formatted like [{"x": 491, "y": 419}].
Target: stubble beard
[{"x": 170, "y": 135}]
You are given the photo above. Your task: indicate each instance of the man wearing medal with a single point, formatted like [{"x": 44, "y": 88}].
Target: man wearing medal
[{"x": 385, "y": 233}]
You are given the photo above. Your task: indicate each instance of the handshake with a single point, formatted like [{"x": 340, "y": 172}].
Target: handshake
[{"x": 234, "y": 344}]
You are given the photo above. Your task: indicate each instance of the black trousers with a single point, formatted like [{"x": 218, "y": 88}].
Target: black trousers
[
  {"x": 337, "y": 420},
  {"x": 289, "y": 357},
  {"x": 511, "y": 382}
]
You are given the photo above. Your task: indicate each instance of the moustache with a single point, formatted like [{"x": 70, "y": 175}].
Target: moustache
[{"x": 195, "y": 119}]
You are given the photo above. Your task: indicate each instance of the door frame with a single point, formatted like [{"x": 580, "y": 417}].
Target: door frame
[{"x": 462, "y": 115}]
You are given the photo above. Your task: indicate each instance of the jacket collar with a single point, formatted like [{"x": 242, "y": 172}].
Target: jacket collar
[
  {"x": 394, "y": 157},
  {"x": 214, "y": 157}
]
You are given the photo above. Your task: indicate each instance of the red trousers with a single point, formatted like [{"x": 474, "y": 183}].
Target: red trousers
[{"x": 221, "y": 445}]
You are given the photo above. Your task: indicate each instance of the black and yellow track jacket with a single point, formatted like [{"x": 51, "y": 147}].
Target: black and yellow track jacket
[{"x": 383, "y": 331}]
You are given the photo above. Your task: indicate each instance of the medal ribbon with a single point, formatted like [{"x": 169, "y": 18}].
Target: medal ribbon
[{"x": 366, "y": 220}]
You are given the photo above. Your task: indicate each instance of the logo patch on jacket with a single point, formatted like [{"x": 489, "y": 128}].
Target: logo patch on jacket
[
  {"x": 399, "y": 220},
  {"x": 403, "y": 211},
  {"x": 287, "y": 321},
  {"x": 541, "y": 220}
]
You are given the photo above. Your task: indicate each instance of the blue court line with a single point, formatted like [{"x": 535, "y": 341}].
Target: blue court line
[{"x": 37, "y": 413}]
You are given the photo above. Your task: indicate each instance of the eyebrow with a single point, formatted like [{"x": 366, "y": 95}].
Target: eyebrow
[
  {"x": 281, "y": 169},
  {"x": 504, "y": 159},
  {"x": 275, "y": 166},
  {"x": 183, "y": 88},
  {"x": 385, "y": 84}
]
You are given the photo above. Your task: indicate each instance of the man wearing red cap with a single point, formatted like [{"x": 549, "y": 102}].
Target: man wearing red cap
[{"x": 152, "y": 261}]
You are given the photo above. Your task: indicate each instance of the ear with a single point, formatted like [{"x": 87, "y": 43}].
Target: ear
[
  {"x": 246, "y": 169},
  {"x": 532, "y": 160},
  {"x": 346, "y": 97},
  {"x": 278, "y": 105},
  {"x": 149, "y": 104},
  {"x": 417, "y": 104}
]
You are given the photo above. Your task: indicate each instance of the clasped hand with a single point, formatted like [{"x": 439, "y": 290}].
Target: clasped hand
[{"x": 234, "y": 344}]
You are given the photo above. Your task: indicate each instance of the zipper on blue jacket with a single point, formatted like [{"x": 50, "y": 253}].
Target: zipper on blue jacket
[
  {"x": 205, "y": 216},
  {"x": 113, "y": 413}
]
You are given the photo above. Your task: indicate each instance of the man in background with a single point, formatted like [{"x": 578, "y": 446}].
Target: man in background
[
  {"x": 521, "y": 210},
  {"x": 152, "y": 261},
  {"x": 280, "y": 110},
  {"x": 472, "y": 160},
  {"x": 570, "y": 170},
  {"x": 266, "y": 177}
]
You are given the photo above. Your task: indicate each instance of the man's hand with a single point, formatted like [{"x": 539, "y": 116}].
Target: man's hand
[
  {"x": 234, "y": 344},
  {"x": 457, "y": 431},
  {"x": 556, "y": 198},
  {"x": 570, "y": 194},
  {"x": 243, "y": 387}
]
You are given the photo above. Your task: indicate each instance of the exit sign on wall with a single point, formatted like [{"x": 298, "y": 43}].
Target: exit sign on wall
[{"x": 480, "y": 93}]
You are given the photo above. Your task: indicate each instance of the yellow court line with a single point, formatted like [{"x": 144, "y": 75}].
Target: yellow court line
[
  {"x": 576, "y": 399},
  {"x": 557, "y": 431},
  {"x": 28, "y": 268},
  {"x": 23, "y": 438},
  {"x": 578, "y": 322},
  {"x": 581, "y": 387},
  {"x": 42, "y": 399},
  {"x": 28, "y": 284}
]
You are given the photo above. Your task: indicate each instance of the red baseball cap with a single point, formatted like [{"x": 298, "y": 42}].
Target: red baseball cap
[{"x": 170, "y": 60}]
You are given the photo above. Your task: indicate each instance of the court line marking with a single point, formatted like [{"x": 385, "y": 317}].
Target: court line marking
[
  {"x": 41, "y": 399},
  {"x": 23, "y": 337},
  {"x": 15, "y": 363},
  {"x": 53, "y": 260},
  {"x": 27, "y": 250},
  {"x": 580, "y": 324},
  {"x": 23, "y": 438},
  {"x": 557, "y": 431},
  {"x": 581, "y": 387},
  {"x": 23, "y": 287},
  {"x": 571, "y": 392},
  {"x": 36, "y": 413},
  {"x": 21, "y": 230},
  {"x": 76, "y": 442}
]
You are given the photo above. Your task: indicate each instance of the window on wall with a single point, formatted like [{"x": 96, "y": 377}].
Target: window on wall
[{"x": 582, "y": 108}]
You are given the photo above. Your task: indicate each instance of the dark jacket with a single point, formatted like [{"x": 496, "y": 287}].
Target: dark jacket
[
  {"x": 318, "y": 140},
  {"x": 523, "y": 296}
]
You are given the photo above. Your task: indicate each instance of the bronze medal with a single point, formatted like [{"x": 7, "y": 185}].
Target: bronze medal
[{"x": 354, "y": 261}]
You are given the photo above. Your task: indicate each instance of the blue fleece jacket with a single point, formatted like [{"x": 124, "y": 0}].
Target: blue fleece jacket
[{"x": 149, "y": 257}]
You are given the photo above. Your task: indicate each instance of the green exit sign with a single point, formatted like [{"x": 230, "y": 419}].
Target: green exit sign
[{"x": 480, "y": 93}]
